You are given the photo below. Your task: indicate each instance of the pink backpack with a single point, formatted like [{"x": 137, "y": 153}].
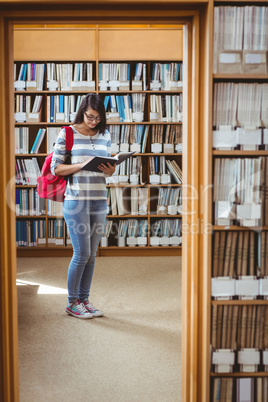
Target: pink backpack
[{"x": 53, "y": 187}]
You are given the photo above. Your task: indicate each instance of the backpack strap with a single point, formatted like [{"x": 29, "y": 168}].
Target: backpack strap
[
  {"x": 69, "y": 144},
  {"x": 69, "y": 137}
]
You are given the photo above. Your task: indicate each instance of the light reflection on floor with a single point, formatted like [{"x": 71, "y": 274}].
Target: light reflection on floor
[{"x": 43, "y": 289}]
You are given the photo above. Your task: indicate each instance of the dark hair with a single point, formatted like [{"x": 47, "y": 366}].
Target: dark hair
[{"x": 94, "y": 102}]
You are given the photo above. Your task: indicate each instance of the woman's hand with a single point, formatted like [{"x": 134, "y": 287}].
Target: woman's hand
[
  {"x": 86, "y": 162},
  {"x": 108, "y": 169}
]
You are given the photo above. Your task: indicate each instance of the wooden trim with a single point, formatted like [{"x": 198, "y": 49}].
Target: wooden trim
[
  {"x": 186, "y": 250},
  {"x": 205, "y": 188},
  {"x": 194, "y": 181},
  {"x": 240, "y": 302},
  {"x": 240, "y": 375},
  {"x": 8, "y": 291},
  {"x": 111, "y": 2}
]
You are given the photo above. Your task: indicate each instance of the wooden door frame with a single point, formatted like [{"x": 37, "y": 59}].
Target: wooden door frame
[{"x": 197, "y": 19}]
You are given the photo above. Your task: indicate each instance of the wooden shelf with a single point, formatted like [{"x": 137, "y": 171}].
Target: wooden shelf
[
  {"x": 71, "y": 92},
  {"x": 31, "y": 155},
  {"x": 30, "y": 216},
  {"x": 240, "y": 77},
  {"x": 240, "y": 153},
  {"x": 255, "y": 228},
  {"x": 64, "y": 123},
  {"x": 240, "y": 302},
  {"x": 140, "y": 247},
  {"x": 163, "y": 154},
  {"x": 140, "y": 251},
  {"x": 144, "y": 185},
  {"x": 57, "y": 92},
  {"x": 240, "y": 375},
  {"x": 162, "y": 91},
  {"x": 126, "y": 185},
  {"x": 165, "y": 185},
  {"x": 165, "y": 216},
  {"x": 25, "y": 185},
  {"x": 127, "y": 216}
]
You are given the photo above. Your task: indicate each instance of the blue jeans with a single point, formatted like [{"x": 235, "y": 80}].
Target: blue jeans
[{"x": 85, "y": 220}]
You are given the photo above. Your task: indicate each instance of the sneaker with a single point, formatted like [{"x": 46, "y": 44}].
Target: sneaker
[
  {"x": 78, "y": 310},
  {"x": 92, "y": 309}
]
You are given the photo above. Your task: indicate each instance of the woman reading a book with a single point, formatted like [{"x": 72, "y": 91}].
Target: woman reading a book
[{"x": 85, "y": 205}]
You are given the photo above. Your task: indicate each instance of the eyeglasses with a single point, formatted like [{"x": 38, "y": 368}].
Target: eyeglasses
[{"x": 92, "y": 118}]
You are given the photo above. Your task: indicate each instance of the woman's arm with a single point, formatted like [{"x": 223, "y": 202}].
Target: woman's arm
[{"x": 65, "y": 170}]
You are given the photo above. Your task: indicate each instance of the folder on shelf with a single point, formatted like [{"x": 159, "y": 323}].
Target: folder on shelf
[
  {"x": 230, "y": 62},
  {"x": 255, "y": 61},
  {"x": 97, "y": 160}
]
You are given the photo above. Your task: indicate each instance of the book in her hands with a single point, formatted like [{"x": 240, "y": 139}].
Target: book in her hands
[{"x": 98, "y": 160}]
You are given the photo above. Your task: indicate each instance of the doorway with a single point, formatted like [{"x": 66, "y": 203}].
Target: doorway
[{"x": 8, "y": 257}]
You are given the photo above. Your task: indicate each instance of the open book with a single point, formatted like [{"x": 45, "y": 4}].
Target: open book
[{"x": 97, "y": 160}]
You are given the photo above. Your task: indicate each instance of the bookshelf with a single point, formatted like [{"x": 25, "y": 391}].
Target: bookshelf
[
  {"x": 152, "y": 52},
  {"x": 238, "y": 317}
]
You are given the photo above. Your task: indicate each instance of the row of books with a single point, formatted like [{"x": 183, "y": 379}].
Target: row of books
[
  {"x": 240, "y": 191},
  {"x": 56, "y": 228},
  {"x": 166, "y": 108},
  {"x": 34, "y": 233},
  {"x": 57, "y": 233},
  {"x": 54, "y": 208},
  {"x": 30, "y": 233},
  {"x": 125, "y": 108},
  {"x": 114, "y": 72},
  {"x": 166, "y": 228},
  {"x": 125, "y": 170},
  {"x": 28, "y": 203},
  {"x": 26, "y": 171},
  {"x": 168, "y": 134},
  {"x": 239, "y": 389},
  {"x": 119, "y": 108},
  {"x": 59, "y": 76},
  {"x": 72, "y": 76},
  {"x": 27, "y": 104},
  {"x": 141, "y": 227},
  {"x": 66, "y": 76},
  {"x": 130, "y": 232},
  {"x": 62, "y": 108},
  {"x": 126, "y": 228},
  {"x": 22, "y": 144},
  {"x": 122, "y": 137},
  {"x": 240, "y": 253},
  {"x": 159, "y": 165},
  {"x": 38, "y": 140},
  {"x": 167, "y": 74},
  {"x": 129, "y": 171},
  {"x": 240, "y": 104},
  {"x": 114, "y": 76},
  {"x": 238, "y": 327},
  {"x": 128, "y": 134},
  {"x": 127, "y": 201},
  {"x": 238, "y": 28},
  {"x": 29, "y": 75},
  {"x": 169, "y": 196},
  {"x": 21, "y": 140}
]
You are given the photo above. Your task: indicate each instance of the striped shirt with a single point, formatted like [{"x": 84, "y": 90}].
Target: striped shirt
[{"x": 86, "y": 185}]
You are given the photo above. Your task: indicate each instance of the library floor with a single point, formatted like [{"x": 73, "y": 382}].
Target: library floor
[{"x": 133, "y": 354}]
